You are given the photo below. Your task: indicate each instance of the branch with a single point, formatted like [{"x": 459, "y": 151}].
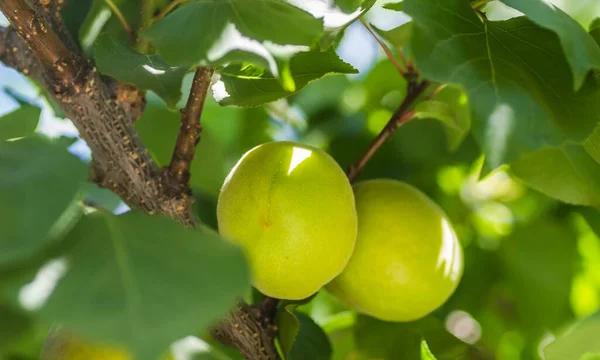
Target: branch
[
  {"x": 388, "y": 52},
  {"x": 190, "y": 128},
  {"x": 401, "y": 116},
  {"x": 251, "y": 330},
  {"x": 120, "y": 160},
  {"x": 103, "y": 111}
]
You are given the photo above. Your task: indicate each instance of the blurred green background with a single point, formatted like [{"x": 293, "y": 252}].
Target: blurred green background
[{"x": 532, "y": 263}]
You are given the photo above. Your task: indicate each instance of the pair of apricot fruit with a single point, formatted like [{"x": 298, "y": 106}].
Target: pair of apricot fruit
[{"x": 382, "y": 247}]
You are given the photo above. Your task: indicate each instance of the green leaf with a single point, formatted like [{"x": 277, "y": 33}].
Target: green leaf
[
  {"x": 395, "y": 6},
  {"x": 592, "y": 145},
  {"x": 578, "y": 340},
  {"x": 311, "y": 341},
  {"x": 39, "y": 190},
  {"x": 540, "y": 262},
  {"x": 595, "y": 30},
  {"x": 391, "y": 341},
  {"x": 19, "y": 123},
  {"x": 592, "y": 217},
  {"x": 122, "y": 62},
  {"x": 398, "y": 36},
  {"x": 514, "y": 72},
  {"x": 580, "y": 49},
  {"x": 102, "y": 20},
  {"x": 14, "y": 325},
  {"x": 219, "y": 32},
  {"x": 300, "y": 337},
  {"x": 144, "y": 281},
  {"x": 425, "y": 352},
  {"x": 74, "y": 14},
  {"x": 288, "y": 326},
  {"x": 451, "y": 107},
  {"x": 101, "y": 197},
  {"x": 348, "y": 6},
  {"x": 566, "y": 173},
  {"x": 252, "y": 86}
]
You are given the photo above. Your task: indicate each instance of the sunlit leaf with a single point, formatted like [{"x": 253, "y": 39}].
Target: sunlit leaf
[
  {"x": 515, "y": 74},
  {"x": 576, "y": 341},
  {"x": 566, "y": 173},
  {"x": 19, "y": 123},
  {"x": 451, "y": 107},
  {"x": 122, "y": 62},
  {"x": 251, "y": 86},
  {"x": 582, "y": 52}
]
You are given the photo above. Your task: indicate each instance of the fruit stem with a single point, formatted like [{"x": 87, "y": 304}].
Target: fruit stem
[{"x": 401, "y": 116}]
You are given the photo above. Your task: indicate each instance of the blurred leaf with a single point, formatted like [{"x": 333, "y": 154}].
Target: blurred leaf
[
  {"x": 392, "y": 341},
  {"x": 101, "y": 20},
  {"x": 300, "y": 337},
  {"x": 102, "y": 197},
  {"x": 567, "y": 173},
  {"x": 19, "y": 123},
  {"x": 384, "y": 86},
  {"x": 31, "y": 216},
  {"x": 311, "y": 341},
  {"x": 250, "y": 85},
  {"x": 348, "y": 6},
  {"x": 425, "y": 352},
  {"x": 592, "y": 145},
  {"x": 582, "y": 52},
  {"x": 518, "y": 82},
  {"x": 235, "y": 31},
  {"x": 575, "y": 342},
  {"x": 592, "y": 217},
  {"x": 122, "y": 62},
  {"x": 451, "y": 107},
  {"x": 540, "y": 260},
  {"x": 396, "y": 6},
  {"x": 398, "y": 36},
  {"x": 155, "y": 280},
  {"x": 14, "y": 325},
  {"x": 73, "y": 14},
  {"x": 595, "y": 30}
]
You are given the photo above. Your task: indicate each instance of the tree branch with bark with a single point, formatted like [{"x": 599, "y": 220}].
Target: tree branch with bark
[
  {"x": 38, "y": 45},
  {"x": 104, "y": 111}
]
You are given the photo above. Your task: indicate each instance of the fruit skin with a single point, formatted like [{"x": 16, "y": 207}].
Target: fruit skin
[
  {"x": 407, "y": 260},
  {"x": 291, "y": 208}
]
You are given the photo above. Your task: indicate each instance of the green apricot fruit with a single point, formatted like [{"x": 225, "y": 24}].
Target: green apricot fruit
[
  {"x": 291, "y": 208},
  {"x": 407, "y": 260}
]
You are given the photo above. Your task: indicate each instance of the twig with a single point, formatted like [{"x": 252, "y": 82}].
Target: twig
[
  {"x": 401, "y": 116},
  {"x": 120, "y": 15},
  {"x": 190, "y": 128},
  {"x": 388, "y": 52},
  {"x": 168, "y": 8},
  {"x": 436, "y": 91}
]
